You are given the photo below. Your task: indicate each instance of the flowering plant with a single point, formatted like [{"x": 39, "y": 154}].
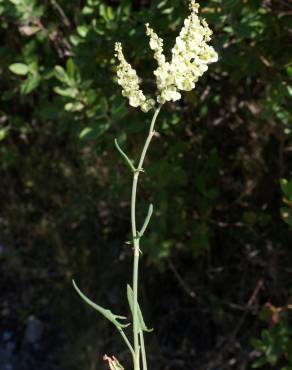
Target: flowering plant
[{"x": 191, "y": 55}]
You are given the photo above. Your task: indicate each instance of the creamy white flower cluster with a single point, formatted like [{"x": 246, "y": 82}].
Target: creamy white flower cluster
[
  {"x": 191, "y": 55},
  {"x": 164, "y": 79},
  {"x": 128, "y": 79}
]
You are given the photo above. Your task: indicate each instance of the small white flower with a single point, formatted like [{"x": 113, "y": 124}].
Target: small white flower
[
  {"x": 180, "y": 45},
  {"x": 170, "y": 94},
  {"x": 149, "y": 104}
]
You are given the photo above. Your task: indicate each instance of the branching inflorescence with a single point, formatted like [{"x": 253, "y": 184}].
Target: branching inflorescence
[{"x": 191, "y": 55}]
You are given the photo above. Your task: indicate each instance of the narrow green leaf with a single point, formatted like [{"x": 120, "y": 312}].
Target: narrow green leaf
[
  {"x": 147, "y": 219},
  {"x": 124, "y": 155},
  {"x": 141, "y": 324},
  {"x": 20, "y": 69},
  {"x": 105, "y": 312}
]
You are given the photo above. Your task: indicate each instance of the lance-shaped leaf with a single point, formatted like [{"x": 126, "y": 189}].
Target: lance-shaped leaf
[
  {"x": 147, "y": 219},
  {"x": 141, "y": 324},
  {"x": 105, "y": 312},
  {"x": 124, "y": 155}
]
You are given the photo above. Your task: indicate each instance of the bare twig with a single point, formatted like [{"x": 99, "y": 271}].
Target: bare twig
[
  {"x": 231, "y": 339},
  {"x": 64, "y": 17},
  {"x": 181, "y": 281}
]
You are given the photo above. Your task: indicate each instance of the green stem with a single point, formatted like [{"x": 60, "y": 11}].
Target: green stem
[
  {"x": 136, "y": 240},
  {"x": 143, "y": 352},
  {"x": 127, "y": 342}
]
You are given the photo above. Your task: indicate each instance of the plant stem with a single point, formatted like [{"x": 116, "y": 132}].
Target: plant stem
[
  {"x": 143, "y": 352},
  {"x": 127, "y": 342},
  {"x": 136, "y": 240}
]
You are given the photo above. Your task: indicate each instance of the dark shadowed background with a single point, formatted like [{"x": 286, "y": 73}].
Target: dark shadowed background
[{"x": 216, "y": 269}]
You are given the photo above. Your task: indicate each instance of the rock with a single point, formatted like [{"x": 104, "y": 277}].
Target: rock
[
  {"x": 6, "y": 355},
  {"x": 2, "y": 249},
  {"x": 34, "y": 330},
  {"x": 7, "y": 335}
]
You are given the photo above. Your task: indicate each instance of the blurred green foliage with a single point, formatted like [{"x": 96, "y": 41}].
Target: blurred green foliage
[
  {"x": 286, "y": 212},
  {"x": 275, "y": 343},
  {"x": 214, "y": 169}
]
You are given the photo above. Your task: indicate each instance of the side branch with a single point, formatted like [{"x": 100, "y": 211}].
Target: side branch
[
  {"x": 124, "y": 155},
  {"x": 147, "y": 220}
]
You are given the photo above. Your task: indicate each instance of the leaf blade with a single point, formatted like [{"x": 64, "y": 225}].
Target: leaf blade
[
  {"x": 141, "y": 323},
  {"x": 103, "y": 311},
  {"x": 124, "y": 155},
  {"x": 20, "y": 69}
]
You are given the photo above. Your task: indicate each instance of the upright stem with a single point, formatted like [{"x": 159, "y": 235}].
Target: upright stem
[
  {"x": 136, "y": 240},
  {"x": 143, "y": 351}
]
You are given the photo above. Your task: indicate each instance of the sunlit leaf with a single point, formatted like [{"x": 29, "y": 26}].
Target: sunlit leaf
[{"x": 20, "y": 69}]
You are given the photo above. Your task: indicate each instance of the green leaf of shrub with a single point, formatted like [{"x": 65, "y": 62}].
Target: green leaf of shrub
[
  {"x": 286, "y": 214},
  {"x": 30, "y": 83},
  {"x": 70, "y": 68},
  {"x": 61, "y": 75},
  {"x": 3, "y": 133},
  {"x": 20, "y": 69},
  {"x": 74, "y": 107},
  {"x": 70, "y": 92},
  {"x": 259, "y": 362},
  {"x": 286, "y": 187},
  {"x": 82, "y": 30},
  {"x": 85, "y": 132}
]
